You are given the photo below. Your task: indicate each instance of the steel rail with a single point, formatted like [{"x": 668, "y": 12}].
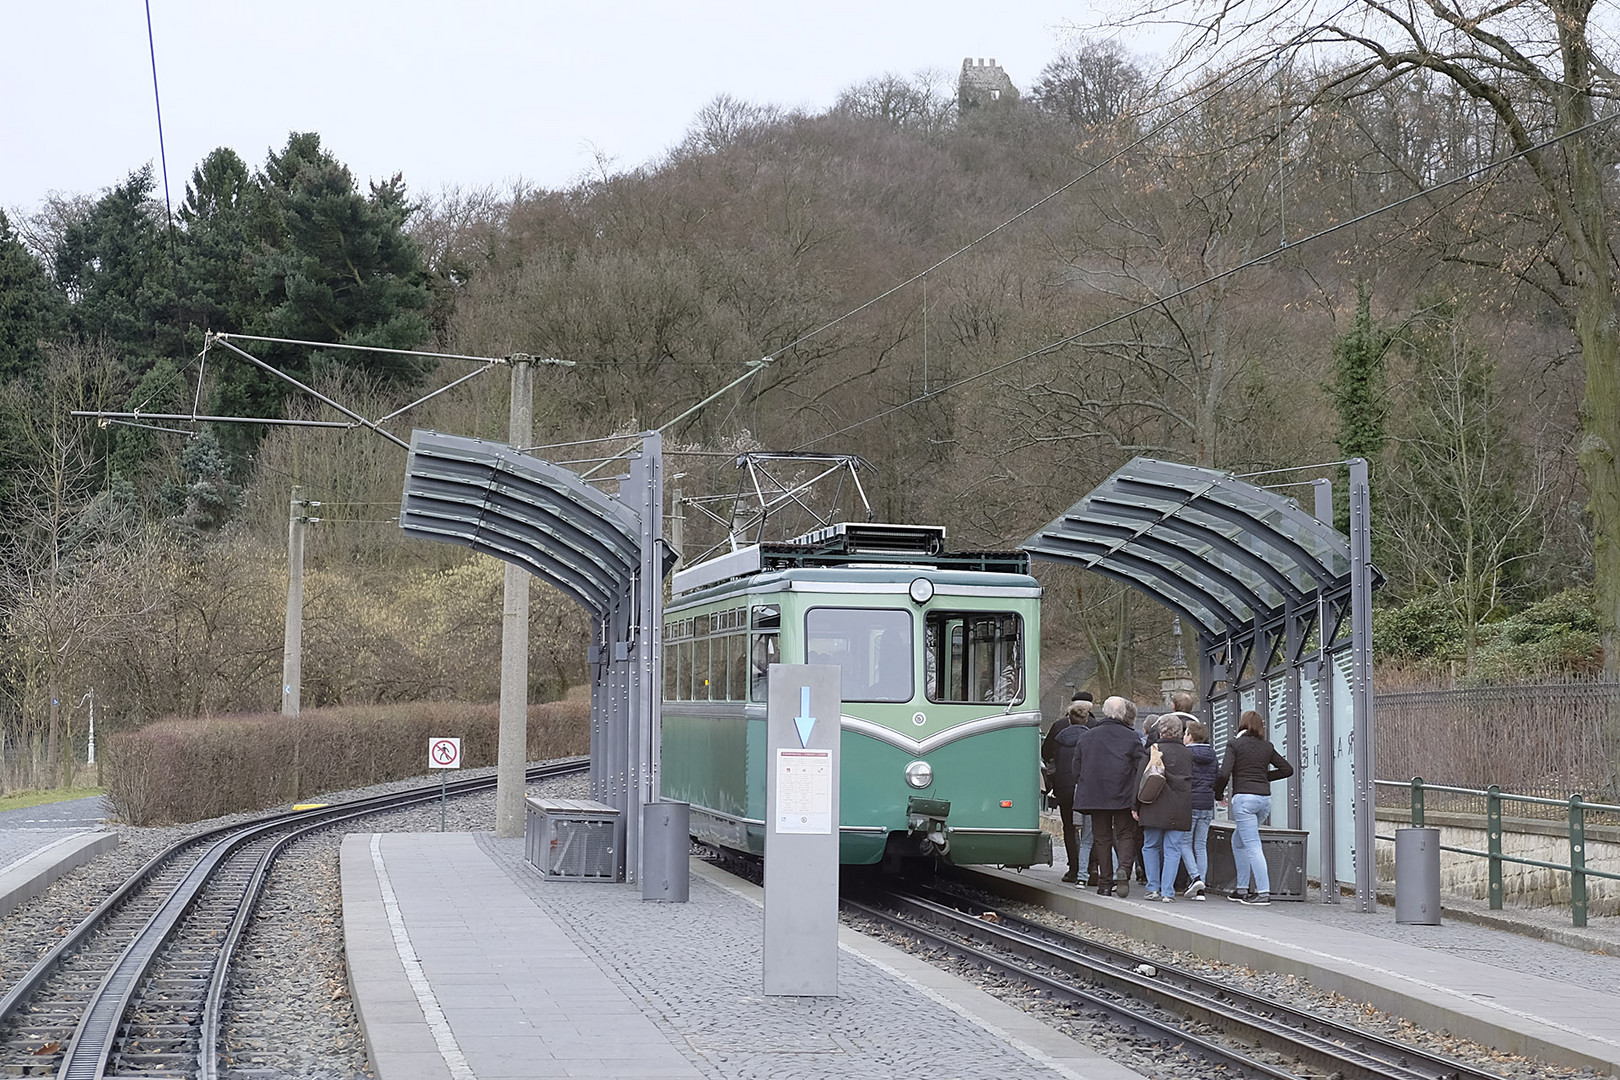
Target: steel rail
[
  {"x": 1233, "y": 1061},
  {"x": 208, "y": 1055},
  {"x": 97, "y": 1033},
  {"x": 1340, "y": 1048}
]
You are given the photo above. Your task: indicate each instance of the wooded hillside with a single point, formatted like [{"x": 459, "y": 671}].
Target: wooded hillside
[{"x": 1172, "y": 299}]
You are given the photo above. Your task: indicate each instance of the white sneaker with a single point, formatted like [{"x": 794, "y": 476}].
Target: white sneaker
[
  {"x": 1196, "y": 889},
  {"x": 1167, "y": 899}
]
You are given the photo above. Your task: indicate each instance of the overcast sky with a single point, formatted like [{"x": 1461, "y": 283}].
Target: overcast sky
[{"x": 466, "y": 93}]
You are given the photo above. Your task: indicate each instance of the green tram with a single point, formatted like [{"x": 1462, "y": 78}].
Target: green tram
[{"x": 940, "y": 751}]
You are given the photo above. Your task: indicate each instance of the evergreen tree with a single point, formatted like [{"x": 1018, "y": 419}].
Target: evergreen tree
[
  {"x": 217, "y": 288},
  {"x": 116, "y": 272},
  {"x": 1360, "y": 382},
  {"x": 326, "y": 264},
  {"x": 342, "y": 269},
  {"x": 31, "y": 311},
  {"x": 203, "y": 499},
  {"x": 1359, "y": 391}
]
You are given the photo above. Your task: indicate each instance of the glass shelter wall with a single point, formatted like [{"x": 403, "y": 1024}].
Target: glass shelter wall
[{"x": 1280, "y": 603}]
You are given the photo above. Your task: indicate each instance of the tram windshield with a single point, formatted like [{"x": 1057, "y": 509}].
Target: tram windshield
[
  {"x": 873, "y": 646},
  {"x": 974, "y": 657}
]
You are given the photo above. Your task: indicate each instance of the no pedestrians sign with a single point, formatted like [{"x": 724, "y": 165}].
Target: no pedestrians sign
[{"x": 444, "y": 753}]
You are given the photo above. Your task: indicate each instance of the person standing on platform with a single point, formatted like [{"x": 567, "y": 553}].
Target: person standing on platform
[
  {"x": 1049, "y": 751},
  {"x": 1109, "y": 758},
  {"x": 1167, "y": 819},
  {"x": 1251, "y": 764},
  {"x": 1195, "y": 850},
  {"x": 1073, "y": 724}
]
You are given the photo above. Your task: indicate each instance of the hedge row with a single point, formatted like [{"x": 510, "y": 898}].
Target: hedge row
[{"x": 190, "y": 770}]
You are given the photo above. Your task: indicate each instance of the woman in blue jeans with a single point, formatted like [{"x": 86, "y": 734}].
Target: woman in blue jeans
[
  {"x": 1251, "y": 765},
  {"x": 1195, "y": 846}
]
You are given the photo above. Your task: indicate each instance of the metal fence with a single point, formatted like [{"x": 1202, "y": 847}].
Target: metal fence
[
  {"x": 1573, "y": 810},
  {"x": 1550, "y": 740}
]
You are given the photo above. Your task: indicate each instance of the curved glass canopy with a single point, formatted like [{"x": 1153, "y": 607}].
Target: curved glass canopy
[
  {"x": 1218, "y": 551},
  {"x": 523, "y": 510}
]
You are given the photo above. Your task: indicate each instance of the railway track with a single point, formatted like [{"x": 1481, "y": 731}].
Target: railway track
[
  {"x": 136, "y": 989},
  {"x": 1173, "y": 1006}
]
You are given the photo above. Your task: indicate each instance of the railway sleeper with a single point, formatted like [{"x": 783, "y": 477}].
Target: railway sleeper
[{"x": 154, "y": 1050}]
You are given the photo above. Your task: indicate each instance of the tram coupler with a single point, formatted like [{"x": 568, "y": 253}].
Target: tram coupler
[{"x": 927, "y": 817}]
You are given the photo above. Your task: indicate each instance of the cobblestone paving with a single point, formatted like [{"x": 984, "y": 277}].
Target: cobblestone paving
[{"x": 696, "y": 969}]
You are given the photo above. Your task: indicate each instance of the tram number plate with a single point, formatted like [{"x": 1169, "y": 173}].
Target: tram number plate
[{"x": 804, "y": 791}]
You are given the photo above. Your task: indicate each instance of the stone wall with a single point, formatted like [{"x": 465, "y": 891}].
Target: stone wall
[{"x": 1522, "y": 886}]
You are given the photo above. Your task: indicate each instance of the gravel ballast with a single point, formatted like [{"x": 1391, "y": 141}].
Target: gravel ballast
[{"x": 288, "y": 1012}]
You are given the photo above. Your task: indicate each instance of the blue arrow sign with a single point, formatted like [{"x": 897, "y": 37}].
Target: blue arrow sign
[{"x": 804, "y": 721}]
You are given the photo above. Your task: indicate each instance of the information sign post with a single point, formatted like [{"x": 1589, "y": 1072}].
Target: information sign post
[
  {"x": 801, "y": 829},
  {"x": 443, "y": 754}
]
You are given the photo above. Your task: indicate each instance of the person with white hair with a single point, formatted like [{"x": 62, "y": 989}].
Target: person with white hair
[{"x": 1108, "y": 762}]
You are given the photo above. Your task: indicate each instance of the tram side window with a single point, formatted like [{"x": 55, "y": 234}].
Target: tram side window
[
  {"x": 700, "y": 670},
  {"x": 974, "y": 657},
  {"x": 683, "y": 675},
  {"x": 871, "y": 645},
  {"x": 737, "y": 667},
  {"x": 765, "y": 623}
]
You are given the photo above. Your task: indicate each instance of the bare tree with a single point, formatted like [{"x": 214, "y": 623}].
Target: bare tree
[
  {"x": 1091, "y": 84},
  {"x": 1537, "y": 66},
  {"x": 1460, "y": 510}
]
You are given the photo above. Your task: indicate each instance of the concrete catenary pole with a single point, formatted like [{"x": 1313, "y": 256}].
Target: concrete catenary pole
[
  {"x": 292, "y": 655},
  {"x": 512, "y": 754}
]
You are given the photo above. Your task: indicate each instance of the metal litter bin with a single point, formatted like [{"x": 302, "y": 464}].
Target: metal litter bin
[
  {"x": 1417, "y": 875},
  {"x": 1284, "y": 850},
  {"x": 666, "y": 846}
]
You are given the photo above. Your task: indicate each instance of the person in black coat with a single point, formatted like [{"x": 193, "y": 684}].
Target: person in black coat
[
  {"x": 1063, "y": 739},
  {"x": 1109, "y": 758},
  {"x": 1167, "y": 819},
  {"x": 1049, "y": 751}
]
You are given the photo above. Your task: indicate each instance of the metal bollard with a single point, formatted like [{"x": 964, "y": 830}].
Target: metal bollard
[
  {"x": 1417, "y": 876},
  {"x": 666, "y": 846}
]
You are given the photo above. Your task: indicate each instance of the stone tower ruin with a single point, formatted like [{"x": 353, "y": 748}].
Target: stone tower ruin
[{"x": 984, "y": 85}]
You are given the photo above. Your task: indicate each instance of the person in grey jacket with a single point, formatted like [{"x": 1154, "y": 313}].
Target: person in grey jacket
[
  {"x": 1109, "y": 758},
  {"x": 1251, "y": 765}
]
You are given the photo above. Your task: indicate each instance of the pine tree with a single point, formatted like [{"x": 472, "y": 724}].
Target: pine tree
[
  {"x": 116, "y": 272},
  {"x": 31, "y": 311}
]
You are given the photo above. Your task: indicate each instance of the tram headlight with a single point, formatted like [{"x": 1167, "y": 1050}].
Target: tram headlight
[
  {"x": 921, "y": 590},
  {"x": 919, "y": 774}
]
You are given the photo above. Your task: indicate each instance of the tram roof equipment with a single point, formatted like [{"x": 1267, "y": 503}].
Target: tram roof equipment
[{"x": 851, "y": 543}]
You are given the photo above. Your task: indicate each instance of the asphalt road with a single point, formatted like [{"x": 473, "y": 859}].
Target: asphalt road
[{"x": 71, "y": 815}]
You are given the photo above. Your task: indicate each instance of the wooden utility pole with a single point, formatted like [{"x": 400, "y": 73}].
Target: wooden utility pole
[{"x": 512, "y": 755}]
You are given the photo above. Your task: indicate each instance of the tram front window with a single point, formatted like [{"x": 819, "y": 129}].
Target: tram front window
[
  {"x": 974, "y": 657},
  {"x": 872, "y": 646}
]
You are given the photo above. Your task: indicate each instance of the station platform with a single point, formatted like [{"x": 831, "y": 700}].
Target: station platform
[
  {"x": 30, "y": 860},
  {"x": 464, "y": 962},
  {"x": 1522, "y": 993}
]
